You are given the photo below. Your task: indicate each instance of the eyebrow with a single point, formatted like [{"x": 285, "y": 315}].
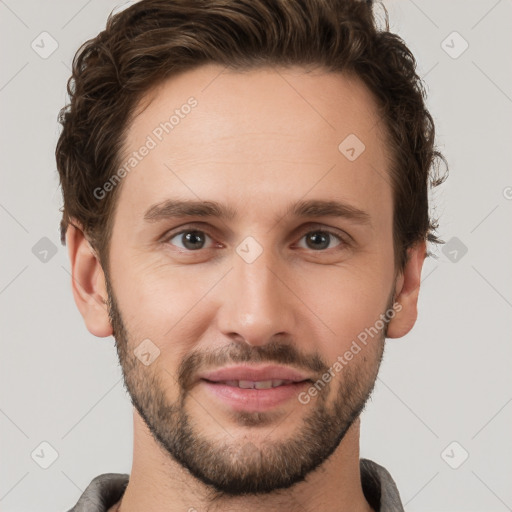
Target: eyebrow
[{"x": 173, "y": 208}]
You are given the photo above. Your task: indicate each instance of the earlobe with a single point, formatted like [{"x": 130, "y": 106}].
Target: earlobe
[
  {"x": 407, "y": 292},
  {"x": 88, "y": 282}
]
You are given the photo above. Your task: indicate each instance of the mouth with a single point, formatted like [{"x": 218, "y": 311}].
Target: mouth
[
  {"x": 254, "y": 389},
  {"x": 259, "y": 384},
  {"x": 262, "y": 375}
]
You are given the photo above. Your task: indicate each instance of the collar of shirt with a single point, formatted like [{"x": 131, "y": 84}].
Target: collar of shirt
[{"x": 379, "y": 490}]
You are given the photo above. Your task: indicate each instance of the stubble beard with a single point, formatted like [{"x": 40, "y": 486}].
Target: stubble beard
[{"x": 237, "y": 466}]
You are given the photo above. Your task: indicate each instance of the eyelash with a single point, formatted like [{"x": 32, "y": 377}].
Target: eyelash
[{"x": 191, "y": 228}]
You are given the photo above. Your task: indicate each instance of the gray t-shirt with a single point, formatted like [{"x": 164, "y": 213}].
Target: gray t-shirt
[{"x": 379, "y": 490}]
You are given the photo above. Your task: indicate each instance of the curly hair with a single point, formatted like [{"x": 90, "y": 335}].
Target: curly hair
[{"x": 154, "y": 39}]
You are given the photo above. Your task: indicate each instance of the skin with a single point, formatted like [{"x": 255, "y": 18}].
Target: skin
[{"x": 257, "y": 142}]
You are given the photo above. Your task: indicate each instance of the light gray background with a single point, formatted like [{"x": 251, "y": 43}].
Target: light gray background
[{"x": 448, "y": 380}]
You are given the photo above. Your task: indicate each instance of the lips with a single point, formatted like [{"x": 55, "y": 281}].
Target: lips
[
  {"x": 260, "y": 377},
  {"x": 254, "y": 388},
  {"x": 259, "y": 384}
]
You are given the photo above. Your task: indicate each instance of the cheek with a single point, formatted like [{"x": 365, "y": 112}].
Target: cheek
[
  {"x": 347, "y": 305},
  {"x": 163, "y": 304}
]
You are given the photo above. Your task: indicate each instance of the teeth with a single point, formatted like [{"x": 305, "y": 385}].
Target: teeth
[{"x": 262, "y": 384}]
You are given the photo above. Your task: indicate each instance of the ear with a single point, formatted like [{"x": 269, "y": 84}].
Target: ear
[
  {"x": 407, "y": 288},
  {"x": 88, "y": 282}
]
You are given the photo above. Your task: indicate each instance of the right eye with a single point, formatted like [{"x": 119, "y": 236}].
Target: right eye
[{"x": 191, "y": 239}]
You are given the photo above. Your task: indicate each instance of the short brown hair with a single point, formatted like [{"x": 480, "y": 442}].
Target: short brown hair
[{"x": 154, "y": 39}]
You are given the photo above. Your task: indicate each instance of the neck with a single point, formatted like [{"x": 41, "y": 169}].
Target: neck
[{"x": 157, "y": 479}]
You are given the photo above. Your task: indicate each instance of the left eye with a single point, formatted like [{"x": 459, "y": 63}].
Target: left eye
[
  {"x": 320, "y": 238},
  {"x": 193, "y": 239}
]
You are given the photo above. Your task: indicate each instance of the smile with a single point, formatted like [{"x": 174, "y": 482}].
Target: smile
[{"x": 260, "y": 384}]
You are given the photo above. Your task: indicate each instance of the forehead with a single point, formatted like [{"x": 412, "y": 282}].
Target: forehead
[{"x": 261, "y": 133}]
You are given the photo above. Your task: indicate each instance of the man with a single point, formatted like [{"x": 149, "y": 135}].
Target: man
[{"x": 246, "y": 210}]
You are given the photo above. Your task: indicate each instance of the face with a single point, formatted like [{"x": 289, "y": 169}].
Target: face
[{"x": 275, "y": 291}]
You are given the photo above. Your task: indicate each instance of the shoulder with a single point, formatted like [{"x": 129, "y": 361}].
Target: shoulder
[
  {"x": 104, "y": 491},
  {"x": 379, "y": 488}
]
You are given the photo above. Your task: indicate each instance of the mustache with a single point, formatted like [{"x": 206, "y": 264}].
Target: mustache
[{"x": 273, "y": 352}]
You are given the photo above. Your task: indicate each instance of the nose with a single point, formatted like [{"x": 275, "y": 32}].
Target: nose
[{"x": 257, "y": 302}]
